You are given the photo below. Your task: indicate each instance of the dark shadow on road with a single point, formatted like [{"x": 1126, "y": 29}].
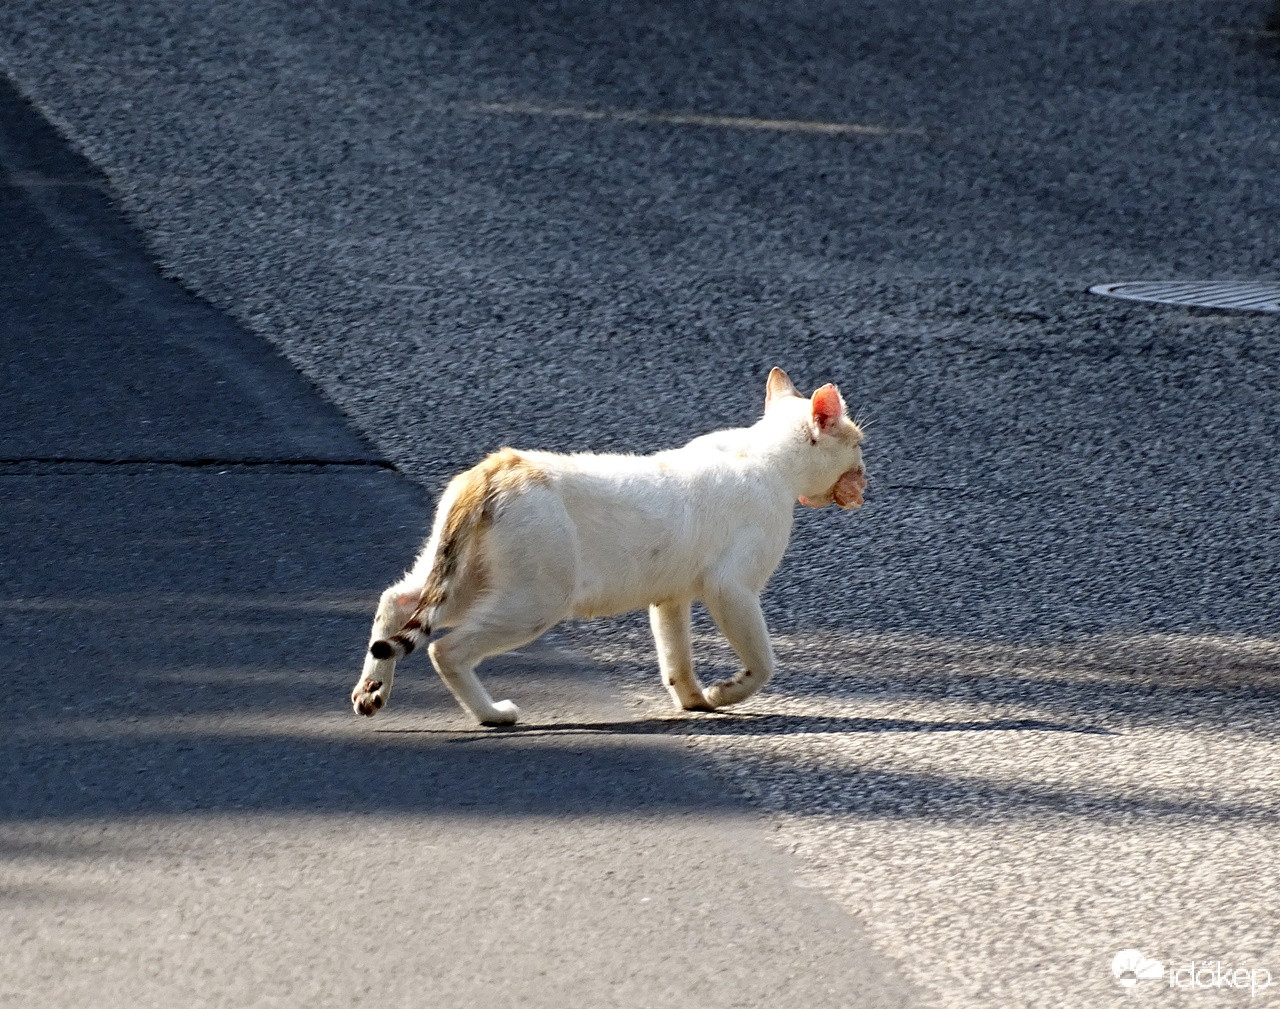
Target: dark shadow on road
[
  {"x": 537, "y": 773},
  {"x": 751, "y": 724}
]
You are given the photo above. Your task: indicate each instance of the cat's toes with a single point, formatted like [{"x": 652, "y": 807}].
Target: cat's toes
[
  {"x": 504, "y": 713},
  {"x": 738, "y": 689},
  {"x": 700, "y": 704},
  {"x": 719, "y": 694},
  {"x": 367, "y": 697}
]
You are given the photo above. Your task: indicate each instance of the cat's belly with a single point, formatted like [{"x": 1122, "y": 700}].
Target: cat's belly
[
  {"x": 596, "y": 604},
  {"x": 628, "y": 559},
  {"x": 632, "y": 589},
  {"x": 591, "y": 608}
]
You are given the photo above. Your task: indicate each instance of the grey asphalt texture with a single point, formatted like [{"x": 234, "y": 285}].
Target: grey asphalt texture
[{"x": 1026, "y": 710}]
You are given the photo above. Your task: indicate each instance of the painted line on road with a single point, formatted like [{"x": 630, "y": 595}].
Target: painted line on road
[{"x": 712, "y": 120}]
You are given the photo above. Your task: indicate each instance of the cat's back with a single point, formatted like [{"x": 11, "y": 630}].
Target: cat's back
[
  {"x": 717, "y": 460},
  {"x": 697, "y": 497}
]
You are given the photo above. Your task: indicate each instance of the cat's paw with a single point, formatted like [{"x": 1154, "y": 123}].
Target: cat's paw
[
  {"x": 368, "y": 696},
  {"x": 698, "y": 704},
  {"x": 718, "y": 695},
  {"x": 733, "y": 691},
  {"x": 504, "y": 713}
]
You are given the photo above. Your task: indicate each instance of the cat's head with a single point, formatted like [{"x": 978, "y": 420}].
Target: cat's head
[{"x": 827, "y": 443}]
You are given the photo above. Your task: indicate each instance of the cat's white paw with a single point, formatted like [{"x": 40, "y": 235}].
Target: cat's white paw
[
  {"x": 718, "y": 695},
  {"x": 368, "y": 696},
  {"x": 731, "y": 691},
  {"x": 504, "y": 713}
]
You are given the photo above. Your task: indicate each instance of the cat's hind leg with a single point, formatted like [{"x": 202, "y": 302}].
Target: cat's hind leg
[
  {"x": 530, "y": 569},
  {"x": 670, "y": 622},
  {"x": 395, "y": 606},
  {"x": 497, "y": 624},
  {"x": 736, "y": 611}
]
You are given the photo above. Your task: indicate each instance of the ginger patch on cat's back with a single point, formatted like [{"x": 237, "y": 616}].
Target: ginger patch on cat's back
[
  {"x": 497, "y": 476},
  {"x": 507, "y": 472},
  {"x": 476, "y": 493}
]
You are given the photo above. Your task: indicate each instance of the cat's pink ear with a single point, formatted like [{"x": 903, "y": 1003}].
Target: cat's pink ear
[
  {"x": 827, "y": 407},
  {"x": 778, "y": 385}
]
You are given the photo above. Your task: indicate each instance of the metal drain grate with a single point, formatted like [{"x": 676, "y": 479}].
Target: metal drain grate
[{"x": 1243, "y": 296}]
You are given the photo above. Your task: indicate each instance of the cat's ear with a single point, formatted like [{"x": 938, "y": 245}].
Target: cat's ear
[
  {"x": 827, "y": 406},
  {"x": 778, "y": 385}
]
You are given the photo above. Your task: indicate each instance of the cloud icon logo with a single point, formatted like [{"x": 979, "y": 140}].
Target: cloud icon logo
[{"x": 1130, "y": 966}]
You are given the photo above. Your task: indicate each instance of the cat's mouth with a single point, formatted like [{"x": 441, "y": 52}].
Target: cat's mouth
[{"x": 847, "y": 491}]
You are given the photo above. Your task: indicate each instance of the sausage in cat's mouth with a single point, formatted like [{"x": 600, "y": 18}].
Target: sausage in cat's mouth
[{"x": 848, "y": 489}]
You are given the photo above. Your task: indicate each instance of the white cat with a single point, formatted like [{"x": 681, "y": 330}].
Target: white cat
[{"x": 524, "y": 540}]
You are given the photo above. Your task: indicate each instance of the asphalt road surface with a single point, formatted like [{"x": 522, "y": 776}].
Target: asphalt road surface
[{"x": 1026, "y": 711}]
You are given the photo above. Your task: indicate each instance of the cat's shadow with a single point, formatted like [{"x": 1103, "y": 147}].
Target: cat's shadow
[{"x": 752, "y": 724}]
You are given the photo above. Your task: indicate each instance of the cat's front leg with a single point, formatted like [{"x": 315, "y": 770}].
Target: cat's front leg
[
  {"x": 671, "y": 633},
  {"x": 374, "y": 686},
  {"x": 736, "y": 611}
]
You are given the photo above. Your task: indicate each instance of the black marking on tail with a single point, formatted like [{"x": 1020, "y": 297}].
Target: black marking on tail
[{"x": 404, "y": 641}]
